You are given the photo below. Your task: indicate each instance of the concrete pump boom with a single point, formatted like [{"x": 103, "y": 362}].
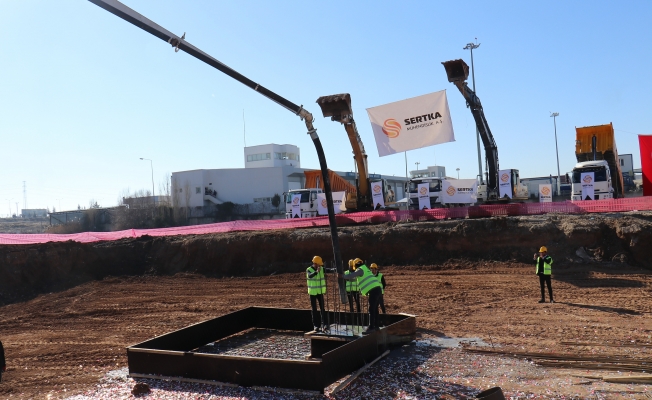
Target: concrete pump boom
[
  {"x": 179, "y": 43},
  {"x": 458, "y": 72}
]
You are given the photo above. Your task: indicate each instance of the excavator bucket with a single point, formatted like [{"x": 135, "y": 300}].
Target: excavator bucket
[
  {"x": 457, "y": 70},
  {"x": 336, "y": 106}
]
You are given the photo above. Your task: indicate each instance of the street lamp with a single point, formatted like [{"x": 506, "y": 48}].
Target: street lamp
[
  {"x": 417, "y": 163},
  {"x": 554, "y": 116},
  {"x": 152, "y": 167},
  {"x": 471, "y": 46},
  {"x": 458, "y": 173}
]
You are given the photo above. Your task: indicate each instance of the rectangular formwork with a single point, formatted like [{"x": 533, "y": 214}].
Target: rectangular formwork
[{"x": 172, "y": 354}]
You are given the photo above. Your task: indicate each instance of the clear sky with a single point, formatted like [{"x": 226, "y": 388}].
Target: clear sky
[{"x": 84, "y": 94}]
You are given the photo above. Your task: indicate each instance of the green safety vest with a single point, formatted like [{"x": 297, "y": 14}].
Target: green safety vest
[
  {"x": 547, "y": 268},
  {"x": 367, "y": 281},
  {"x": 316, "y": 284},
  {"x": 351, "y": 286},
  {"x": 380, "y": 280}
]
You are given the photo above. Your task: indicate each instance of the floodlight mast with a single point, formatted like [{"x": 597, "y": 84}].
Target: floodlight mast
[{"x": 179, "y": 43}]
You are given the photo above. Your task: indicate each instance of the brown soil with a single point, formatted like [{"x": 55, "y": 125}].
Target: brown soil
[{"x": 473, "y": 279}]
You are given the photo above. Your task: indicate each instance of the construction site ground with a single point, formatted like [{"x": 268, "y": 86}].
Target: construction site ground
[{"x": 61, "y": 341}]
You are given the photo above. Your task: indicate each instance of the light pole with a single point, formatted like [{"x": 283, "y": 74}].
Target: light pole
[
  {"x": 458, "y": 173},
  {"x": 554, "y": 116},
  {"x": 417, "y": 163},
  {"x": 471, "y": 46},
  {"x": 59, "y": 200},
  {"x": 152, "y": 167}
]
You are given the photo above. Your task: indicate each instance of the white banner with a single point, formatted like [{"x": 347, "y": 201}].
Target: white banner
[
  {"x": 459, "y": 191},
  {"x": 505, "y": 183},
  {"x": 587, "y": 179},
  {"x": 412, "y": 123},
  {"x": 423, "y": 193},
  {"x": 296, "y": 206},
  {"x": 377, "y": 194},
  {"x": 338, "y": 200},
  {"x": 545, "y": 193}
]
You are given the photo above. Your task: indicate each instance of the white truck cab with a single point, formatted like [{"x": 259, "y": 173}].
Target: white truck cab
[
  {"x": 602, "y": 185},
  {"x": 308, "y": 202}
]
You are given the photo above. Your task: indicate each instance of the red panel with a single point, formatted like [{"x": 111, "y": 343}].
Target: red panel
[{"x": 645, "y": 144}]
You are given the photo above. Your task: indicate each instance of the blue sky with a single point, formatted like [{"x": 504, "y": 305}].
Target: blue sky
[{"x": 86, "y": 94}]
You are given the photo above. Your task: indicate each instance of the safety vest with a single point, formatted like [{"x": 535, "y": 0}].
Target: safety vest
[
  {"x": 351, "y": 286},
  {"x": 316, "y": 284},
  {"x": 367, "y": 281},
  {"x": 380, "y": 279},
  {"x": 547, "y": 268}
]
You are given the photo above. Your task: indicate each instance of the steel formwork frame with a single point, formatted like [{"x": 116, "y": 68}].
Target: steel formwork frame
[{"x": 332, "y": 357}]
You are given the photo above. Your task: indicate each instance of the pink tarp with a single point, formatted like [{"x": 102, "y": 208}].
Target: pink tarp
[{"x": 567, "y": 207}]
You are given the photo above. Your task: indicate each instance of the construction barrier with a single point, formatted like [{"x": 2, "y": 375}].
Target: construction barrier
[{"x": 373, "y": 217}]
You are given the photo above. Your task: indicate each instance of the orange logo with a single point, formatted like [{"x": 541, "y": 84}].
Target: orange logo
[
  {"x": 587, "y": 179},
  {"x": 504, "y": 178},
  {"x": 296, "y": 200},
  {"x": 422, "y": 191},
  {"x": 545, "y": 191},
  {"x": 391, "y": 128},
  {"x": 377, "y": 189},
  {"x": 450, "y": 190},
  {"x": 323, "y": 203}
]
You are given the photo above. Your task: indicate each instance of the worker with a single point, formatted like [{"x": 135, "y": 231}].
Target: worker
[
  {"x": 381, "y": 279},
  {"x": 369, "y": 286},
  {"x": 3, "y": 364},
  {"x": 544, "y": 270},
  {"x": 316, "y": 290},
  {"x": 352, "y": 290}
]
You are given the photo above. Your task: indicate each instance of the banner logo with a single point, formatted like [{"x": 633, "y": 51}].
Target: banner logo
[
  {"x": 545, "y": 191},
  {"x": 295, "y": 200},
  {"x": 504, "y": 177},
  {"x": 323, "y": 203},
  {"x": 450, "y": 190},
  {"x": 587, "y": 179},
  {"x": 377, "y": 189},
  {"x": 391, "y": 128},
  {"x": 423, "y": 191}
]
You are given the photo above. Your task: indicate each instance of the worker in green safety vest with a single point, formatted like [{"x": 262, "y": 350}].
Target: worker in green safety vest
[
  {"x": 370, "y": 286},
  {"x": 381, "y": 279},
  {"x": 544, "y": 270},
  {"x": 316, "y": 290},
  {"x": 352, "y": 289}
]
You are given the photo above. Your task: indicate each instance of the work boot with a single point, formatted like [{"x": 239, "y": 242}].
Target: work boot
[
  {"x": 542, "y": 301},
  {"x": 552, "y": 301},
  {"x": 317, "y": 329}
]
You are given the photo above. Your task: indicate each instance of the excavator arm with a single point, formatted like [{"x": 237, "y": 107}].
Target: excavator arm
[
  {"x": 458, "y": 72},
  {"x": 338, "y": 107}
]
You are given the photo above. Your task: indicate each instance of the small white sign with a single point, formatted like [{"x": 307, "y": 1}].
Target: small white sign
[
  {"x": 459, "y": 191},
  {"x": 587, "y": 179},
  {"x": 423, "y": 193},
  {"x": 545, "y": 193},
  {"x": 338, "y": 201},
  {"x": 505, "y": 183},
  {"x": 296, "y": 206},
  {"x": 377, "y": 195}
]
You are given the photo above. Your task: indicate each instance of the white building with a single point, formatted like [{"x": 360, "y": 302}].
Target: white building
[
  {"x": 269, "y": 169},
  {"x": 626, "y": 164},
  {"x": 437, "y": 171}
]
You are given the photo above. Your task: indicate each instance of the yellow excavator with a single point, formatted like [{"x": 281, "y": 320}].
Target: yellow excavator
[{"x": 338, "y": 107}]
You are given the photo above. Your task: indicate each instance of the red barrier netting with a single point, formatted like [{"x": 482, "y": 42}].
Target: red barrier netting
[{"x": 514, "y": 209}]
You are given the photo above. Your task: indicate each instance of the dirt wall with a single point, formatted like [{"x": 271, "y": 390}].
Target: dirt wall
[{"x": 28, "y": 270}]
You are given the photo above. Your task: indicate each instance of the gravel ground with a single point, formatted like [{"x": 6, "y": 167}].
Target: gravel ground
[
  {"x": 421, "y": 370},
  {"x": 265, "y": 343}
]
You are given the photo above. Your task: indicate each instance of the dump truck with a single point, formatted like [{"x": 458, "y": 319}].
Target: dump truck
[
  {"x": 457, "y": 72},
  {"x": 338, "y": 107},
  {"x": 313, "y": 186},
  {"x": 594, "y": 144}
]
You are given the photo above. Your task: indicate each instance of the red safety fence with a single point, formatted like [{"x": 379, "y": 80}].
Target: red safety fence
[{"x": 514, "y": 209}]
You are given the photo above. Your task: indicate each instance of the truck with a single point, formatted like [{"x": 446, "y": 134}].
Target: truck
[
  {"x": 595, "y": 150},
  {"x": 458, "y": 72},
  {"x": 314, "y": 185}
]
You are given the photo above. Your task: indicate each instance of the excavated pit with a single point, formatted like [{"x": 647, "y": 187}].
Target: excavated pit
[{"x": 29, "y": 270}]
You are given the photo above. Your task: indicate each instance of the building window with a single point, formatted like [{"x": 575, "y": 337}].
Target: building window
[
  {"x": 622, "y": 162},
  {"x": 197, "y": 190},
  {"x": 259, "y": 157}
]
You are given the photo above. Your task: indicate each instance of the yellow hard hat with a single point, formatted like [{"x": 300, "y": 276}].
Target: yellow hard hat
[
  {"x": 542, "y": 249},
  {"x": 357, "y": 262},
  {"x": 350, "y": 262},
  {"x": 317, "y": 260},
  {"x": 373, "y": 266}
]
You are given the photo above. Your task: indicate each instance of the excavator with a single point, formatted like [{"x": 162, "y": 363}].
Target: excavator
[
  {"x": 338, "y": 107},
  {"x": 458, "y": 72}
]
